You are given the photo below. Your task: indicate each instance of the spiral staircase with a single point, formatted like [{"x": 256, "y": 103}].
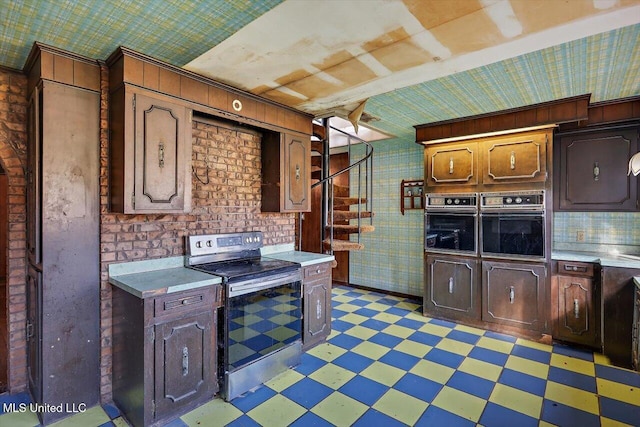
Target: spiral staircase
[{"x": 345, "y": 210}]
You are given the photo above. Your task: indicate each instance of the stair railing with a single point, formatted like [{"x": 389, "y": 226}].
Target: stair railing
[{"x": 365, "y": 163}]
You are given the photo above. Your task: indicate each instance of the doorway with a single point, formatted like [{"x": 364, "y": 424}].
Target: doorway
[{"x": 4, "y": 345}]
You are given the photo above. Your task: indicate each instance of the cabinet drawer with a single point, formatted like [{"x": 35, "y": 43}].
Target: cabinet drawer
[
  {"x": 317, "y": 270},
  {"x": 575, "y": 268},
  {"x": 187, "y": 302}
]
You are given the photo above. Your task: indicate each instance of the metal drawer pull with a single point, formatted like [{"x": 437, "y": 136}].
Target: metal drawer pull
[
  {"x": 568, "y": 267},
  {"x": 297, "y": 172},
  {"x": 450, "y": 285},
  {"x": 161, "y": 154},
  {"x": 576, "y": 308},
  {"x": 596, "y": 171},
  {"x": 513, "y": 160},
  {"x": 318, "y": 309},
  {"x": 185, "y": 361},
  {"x": 512, "y": 294},
  {"x": 450, "y": 165}
]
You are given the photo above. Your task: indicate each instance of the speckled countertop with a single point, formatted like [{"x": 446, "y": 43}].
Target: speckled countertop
[
  {"x": 157, "y": 277},
  {"x": 603, "y": 258}
]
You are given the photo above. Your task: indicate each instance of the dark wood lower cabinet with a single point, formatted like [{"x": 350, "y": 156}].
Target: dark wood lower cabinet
[
  {"x": 514, "y": 294},
  {"x": 316, "y": 300},
  {"x": 617, "y": 313},
  {"x": 451, "y": 287},
  {"x": 575, "y": 304},
  {"x": 164, "y": 353}
]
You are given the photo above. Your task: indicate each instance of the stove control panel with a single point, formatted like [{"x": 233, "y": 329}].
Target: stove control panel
[{"x": 208, "y": 244}]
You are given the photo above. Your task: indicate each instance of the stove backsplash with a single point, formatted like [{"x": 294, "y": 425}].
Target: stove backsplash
[{"x": 603, "y": 231}]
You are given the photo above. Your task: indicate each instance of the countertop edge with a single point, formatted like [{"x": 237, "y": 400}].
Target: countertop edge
[
  {"x": 134, "y": 283},
  {"x": 305, "y": 259},
  {"x": 604, "y": 260}
]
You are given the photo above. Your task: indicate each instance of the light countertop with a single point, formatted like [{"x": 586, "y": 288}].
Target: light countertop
[
  {"x": 303, "y": 258},
  {"x": 157, "y": 277},
  {"x": 602, "y": 258},
  {"x": 167, "y": 275}
]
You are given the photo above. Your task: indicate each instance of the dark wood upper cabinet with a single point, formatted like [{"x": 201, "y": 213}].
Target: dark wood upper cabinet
[
  {"x": 286, "y": 172},
  {"x": 591, "y": 170},
  {"x": 150, "y": 152},
  {"x": 515, "y": 158},
  {"x": 451, "y": 164}
]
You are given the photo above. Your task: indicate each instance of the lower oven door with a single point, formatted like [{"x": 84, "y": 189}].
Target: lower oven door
[
  {"x": 263, "y": 324},
  {"x": 450, "y": 232},
  {"x": 519, "y": 235}
]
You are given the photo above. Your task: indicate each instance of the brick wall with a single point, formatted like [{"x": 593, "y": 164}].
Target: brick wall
[
  {"x": 13, "y": 108},
  {"x": 226, "y": 197}
]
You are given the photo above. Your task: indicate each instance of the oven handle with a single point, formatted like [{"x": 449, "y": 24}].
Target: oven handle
[
  {"x": 241, "y": 288},
  {"x": 512, "y": 215}
]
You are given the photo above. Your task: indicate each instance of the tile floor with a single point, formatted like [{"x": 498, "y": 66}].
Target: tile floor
[{"x": 387, "y": 365}]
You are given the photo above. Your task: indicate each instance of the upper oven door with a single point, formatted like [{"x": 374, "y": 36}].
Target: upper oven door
[
  {"x": 513, "y": 235},
  {"x": 450, "y": 232}
]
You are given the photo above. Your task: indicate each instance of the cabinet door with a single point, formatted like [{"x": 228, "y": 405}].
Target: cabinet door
[
  {"x": 576, "y": 316},
  {"x": 451, "y": 287},
  {"x": 514, "y": 294},
  {"x": 451, "y": 164},
  {"x": 184, "y": 362},
  {"x": 296, "y": 173},
  {"x": 34, "y": 178},
  {"x": 34, "y": 334},
  {"x": 162, "y": 135},
  {"x": 515, "y": 159},
  {"x": 316, "y": 305},
  {"x": 593, "y": 171}
]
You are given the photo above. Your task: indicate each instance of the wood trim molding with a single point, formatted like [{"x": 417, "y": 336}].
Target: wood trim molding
[{"x": 553, "y": 112}]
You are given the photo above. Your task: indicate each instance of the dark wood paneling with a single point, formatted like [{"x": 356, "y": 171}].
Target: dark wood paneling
[
  {"x": 559, "y": 111},
  {"x": 207, "y": 95}
]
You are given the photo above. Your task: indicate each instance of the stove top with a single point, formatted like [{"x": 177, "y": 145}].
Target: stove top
[
  {"x": 244, "y": 269},
  {"x": 233, "y": 256}
]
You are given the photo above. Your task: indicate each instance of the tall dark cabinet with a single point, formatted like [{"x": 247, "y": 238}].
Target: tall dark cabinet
[{"x": 63, "y": 278}]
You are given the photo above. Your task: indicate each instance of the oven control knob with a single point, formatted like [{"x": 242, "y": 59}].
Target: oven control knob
[
  {"x": 209, "y": 243},
  {"x": 456, "y": 201},
  {"x": 448, "y": 201},
  {"x": 257, "y": 238},
  {"x": 198, "y": 244},
  {"x": 518, "y": 199},
  {"x": 249, "y": 239},
  {"x": 509, "y": 200}
]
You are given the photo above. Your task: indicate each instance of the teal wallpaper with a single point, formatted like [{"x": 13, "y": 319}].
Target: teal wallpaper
[
  {"x": 603, "y": 231},
  {"x": 392, "y": 258}
]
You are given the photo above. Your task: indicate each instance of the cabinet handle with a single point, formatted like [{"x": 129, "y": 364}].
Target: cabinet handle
[
  {"x": 450, "y": 165},
  {"x": 185, "y": 361},
  {"x": 596, "y": 171},
  {"x": 512, "y": 294},
  {"x": 318, "y": 310},
  {"x": 450, "y": 285},
  {"x": 161, "y": 154},
  {"x": 576, "y": 308},
  {"x": 297, "y": 172},
  {"x": 513, "y": 160}
]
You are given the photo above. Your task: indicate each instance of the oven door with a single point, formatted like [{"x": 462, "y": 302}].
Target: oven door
[
  {"x": 450, "y": 232},
  {"x": 262, "y": 318},
  {"x": 513, "y": 235}
]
